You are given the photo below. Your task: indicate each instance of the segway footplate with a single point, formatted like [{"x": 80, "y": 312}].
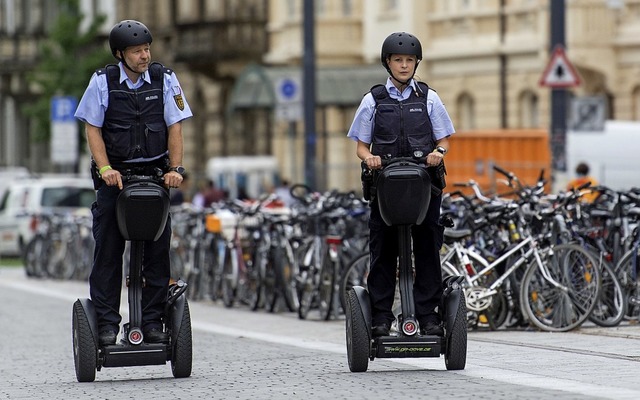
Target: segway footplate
[{"x": 403, "y": 347}]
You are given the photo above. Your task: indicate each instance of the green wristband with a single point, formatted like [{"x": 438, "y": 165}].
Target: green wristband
[{"x": 105, "y": 168}]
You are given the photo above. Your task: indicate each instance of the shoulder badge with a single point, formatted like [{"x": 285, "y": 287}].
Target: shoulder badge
[{"x": 177, "y": 97}]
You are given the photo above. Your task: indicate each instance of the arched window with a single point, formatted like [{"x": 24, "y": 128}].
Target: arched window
[
  {"x": 528, "y": 112},
  {"x": 465, "y": 107}
]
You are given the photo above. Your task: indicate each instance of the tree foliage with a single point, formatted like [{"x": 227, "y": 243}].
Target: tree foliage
[{"x": 67, "y": 59}]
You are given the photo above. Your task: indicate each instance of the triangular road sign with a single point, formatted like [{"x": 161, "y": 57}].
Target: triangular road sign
[{"x": 559, "y": 73}]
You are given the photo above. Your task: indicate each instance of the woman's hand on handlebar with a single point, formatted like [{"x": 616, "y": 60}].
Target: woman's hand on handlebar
[
  {"x": 434, "y": 159},
  {"x": 373, "y": 162}
]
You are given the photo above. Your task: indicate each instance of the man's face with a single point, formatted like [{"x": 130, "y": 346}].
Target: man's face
[
  {"x": 402, "y": 65},
  {"x": 138, "y": 57}
]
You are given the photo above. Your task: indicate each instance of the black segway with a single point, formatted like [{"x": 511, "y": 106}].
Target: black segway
[
  {"x": 142, "y": 211},
  {"x": 403, "y": 190}
]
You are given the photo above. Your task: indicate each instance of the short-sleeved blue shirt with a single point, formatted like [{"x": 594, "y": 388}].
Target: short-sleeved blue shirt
[
  {"x": 95, "y": 100},
  {"x": 362, "y": 126}
]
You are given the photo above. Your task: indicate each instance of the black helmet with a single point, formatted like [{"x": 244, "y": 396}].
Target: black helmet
[
  {"x": 128, "y": 33},
  {"x": 400, "y": 43}
]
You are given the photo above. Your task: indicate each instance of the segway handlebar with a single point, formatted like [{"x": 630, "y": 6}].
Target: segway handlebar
[
  {"x": 386, "y": 161},
  {"x": 154, "y": 175}
]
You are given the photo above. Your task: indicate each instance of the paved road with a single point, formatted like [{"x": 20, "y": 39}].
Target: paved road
[{"x": 239, "y": 354}]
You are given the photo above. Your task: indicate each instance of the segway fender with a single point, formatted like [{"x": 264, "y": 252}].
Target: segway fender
[
  {"x": 452, "y": 296},
  {"x": 365, "y": 305},
  {"x": 175, "y": 316},
  {"x": 90, "y": 312}
]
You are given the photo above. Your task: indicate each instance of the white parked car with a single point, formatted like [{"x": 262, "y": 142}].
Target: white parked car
[{"x": 28, "y": 197}]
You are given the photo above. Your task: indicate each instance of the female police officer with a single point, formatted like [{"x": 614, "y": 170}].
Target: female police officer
[
  {"x": 132, "y": 114},
  {"x": 399, "y": 118}
]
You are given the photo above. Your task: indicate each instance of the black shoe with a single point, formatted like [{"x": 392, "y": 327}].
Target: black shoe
[
  {"x": 155, "y": 335},
  {"x": 380, "y": 330},
  {"x": 432, "y": 328},
  {"x": 107, "y": 337}
]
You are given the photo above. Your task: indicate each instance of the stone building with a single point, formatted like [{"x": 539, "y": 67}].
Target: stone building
[{"x": 484, "y": 57}]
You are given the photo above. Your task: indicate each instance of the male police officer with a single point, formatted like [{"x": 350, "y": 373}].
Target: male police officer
[{"x": 132, "y": 113}]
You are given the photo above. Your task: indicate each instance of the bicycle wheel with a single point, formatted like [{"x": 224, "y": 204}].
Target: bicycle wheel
[
  {"x": 612, "y": 302},
  {"x": 326, "y": 288},
  {"x": 356, "y": 274},
  {"x": 229, "y": 280},
  {"x": 270, "y": 278},
  {"x": 566, "y": 305},
  {"x": 35, "y": 254},
  {"x": 307, "y": 281},
  {"x": 627, "y": 273},
  {"x": 215, "y": 262},
  {"x": 289, "y": 271},
  {"x": 61, "y": 263},
  {"x": 251, "y": 281}
]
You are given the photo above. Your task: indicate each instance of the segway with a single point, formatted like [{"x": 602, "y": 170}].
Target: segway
[
  {"x": 403, "y": 191},
  {"x": 142, "y": 211}
]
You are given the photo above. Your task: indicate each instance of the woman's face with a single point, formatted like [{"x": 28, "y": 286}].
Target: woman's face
[
  {"x": 138, "y": 57},
  {"x": 402, "y": 66}
]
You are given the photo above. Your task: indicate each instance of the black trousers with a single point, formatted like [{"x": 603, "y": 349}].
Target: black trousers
[
  {"x": 105, "y": 281},
  {"x": 427, "y": 240}
]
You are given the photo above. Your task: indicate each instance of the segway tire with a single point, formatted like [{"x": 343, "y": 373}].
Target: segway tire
[
  {"x": 455, "y": 357},
  {"x": 85, "y": 351},
  {"x": 357, "y": 335},
  {"x": 182, "y": 353}
]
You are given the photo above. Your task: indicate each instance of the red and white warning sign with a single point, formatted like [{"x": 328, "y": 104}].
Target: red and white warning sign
[{"x": 559, "y": 73}]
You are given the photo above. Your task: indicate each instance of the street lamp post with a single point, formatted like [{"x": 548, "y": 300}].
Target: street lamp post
[
  {"x": 558, "y": 95},
  {"x": 309, "y": 96}
]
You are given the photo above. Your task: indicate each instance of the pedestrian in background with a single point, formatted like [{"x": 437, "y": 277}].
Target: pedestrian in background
[{"x": 582, "y": 177}]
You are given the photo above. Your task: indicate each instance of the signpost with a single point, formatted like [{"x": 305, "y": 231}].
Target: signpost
[
  {"x": 64, "y": 131},
  {"x": 289, "y": 96},
  {"x": 289, "y": 108},
  {"x": 559, "y": 73}
]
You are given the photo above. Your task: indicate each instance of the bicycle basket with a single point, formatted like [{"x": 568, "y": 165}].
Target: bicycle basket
[
  {"x": 404, "y": 193},
  {"x": 142, "y": 209}
]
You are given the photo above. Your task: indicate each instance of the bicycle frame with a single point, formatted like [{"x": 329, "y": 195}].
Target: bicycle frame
[{"x": 463, "y": 253}]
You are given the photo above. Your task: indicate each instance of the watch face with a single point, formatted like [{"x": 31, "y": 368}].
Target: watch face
[{"x": 180, "y": 170}]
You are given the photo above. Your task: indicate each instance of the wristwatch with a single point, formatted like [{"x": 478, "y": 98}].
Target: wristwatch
[
  {"x": 179, "y": 169},
  {"x": 441, "y": 150}
]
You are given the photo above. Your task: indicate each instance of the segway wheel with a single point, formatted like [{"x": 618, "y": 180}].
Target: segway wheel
[
  {"x": 182, "y": 354},
  {"x": 455, "y": 357},
  {"x": 357, "y": 335},
  {"x": 85, "y": 350}
]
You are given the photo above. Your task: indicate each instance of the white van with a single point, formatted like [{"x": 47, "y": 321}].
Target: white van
[{"x": 25, "y": 198}]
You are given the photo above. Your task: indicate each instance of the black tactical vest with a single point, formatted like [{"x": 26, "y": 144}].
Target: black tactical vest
[
  {"x": 401, "y": 127},
  {"x": 134, "y": 124}
]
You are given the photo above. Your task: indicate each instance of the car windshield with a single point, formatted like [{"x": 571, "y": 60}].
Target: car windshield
[{"x": 68, "y": 197}]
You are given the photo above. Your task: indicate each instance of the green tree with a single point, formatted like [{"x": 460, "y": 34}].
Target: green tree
[{"x": 67, "y": 59}]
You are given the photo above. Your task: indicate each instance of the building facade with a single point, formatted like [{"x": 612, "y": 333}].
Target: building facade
[{"x": 484, "y": 57}]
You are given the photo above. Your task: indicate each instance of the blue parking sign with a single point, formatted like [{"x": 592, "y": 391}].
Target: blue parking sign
[{"x": 63, "y": 108}]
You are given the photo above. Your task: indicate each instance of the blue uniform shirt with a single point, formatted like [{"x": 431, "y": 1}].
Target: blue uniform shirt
[
  {"x": 95, "y": 100},
  {"x": 362, "y": 125}
]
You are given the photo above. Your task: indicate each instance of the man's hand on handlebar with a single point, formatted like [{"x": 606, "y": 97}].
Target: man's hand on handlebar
[
  {"x": 172, "y": 179},
  {"x": 112, "y": 177}
]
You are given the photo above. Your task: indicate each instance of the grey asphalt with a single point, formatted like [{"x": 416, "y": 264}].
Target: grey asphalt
[{"x": 241, "y": 354}]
